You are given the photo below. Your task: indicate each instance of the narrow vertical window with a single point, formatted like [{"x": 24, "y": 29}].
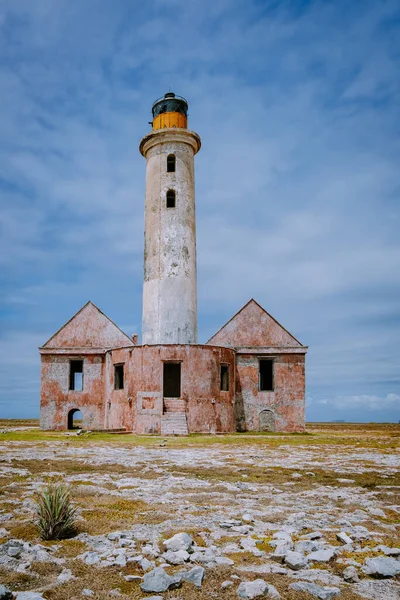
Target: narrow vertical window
[
  {"x": 76, "y": 375},
  {"x": 171, "y": 199},
  {"x": 225, "y": 378},
  {"x": 266, "y": 375},
  {"x": 118, "y": 377},
  {"x": 171, "y": 163}
]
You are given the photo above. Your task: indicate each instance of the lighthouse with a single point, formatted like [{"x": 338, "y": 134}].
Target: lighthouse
[{"x": 170, "y": 287}]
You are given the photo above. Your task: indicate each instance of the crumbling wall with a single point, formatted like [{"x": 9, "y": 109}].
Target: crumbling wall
[
  {"x": 287, "y": 401},
  {"x": 56, "y": 399}
]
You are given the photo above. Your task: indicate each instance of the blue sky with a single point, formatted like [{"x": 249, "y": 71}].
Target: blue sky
[{"x": 297, "y": 182}]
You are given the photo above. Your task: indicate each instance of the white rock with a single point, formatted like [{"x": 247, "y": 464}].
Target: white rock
[
  {"x": 29, "y": 596},
  {"x": 153, "y": 597},
  {"x": 64, "y": 576},
  {"x": 388, "y": 551},
  {"x": 180, "y": 541},
  {"x": 295, "y": 560},
  {"x": 314, "y": 535},
  {"x": 247, "y": 518},
  {"x": 87, "y": 592},
  {"x": 226, "y": 584},
  {"x": 92, "y": 558},
  {"x": 283, "y": 535},
  {"x": 253, "y": 589},
  {"x": 321, "y": 555},
  {"x": 146, "y": 564},
  {"x": 304, "y": 546},
  {"x": 344, "y": 538},
  {"x": 351, "y": 574},
  {"x": 195, "y": 575},
  {"x": 176, "y": 558},
  {"x": 382, "y": 567},
  {"x": 5, "y": 593},
  {"x": 132, "y": 577},
  {"x": 322, "y": 593},
  {"x": 273, "y": 592},
  {"x": 224, "y": 561},
  {"x": 158, "y": 580}
]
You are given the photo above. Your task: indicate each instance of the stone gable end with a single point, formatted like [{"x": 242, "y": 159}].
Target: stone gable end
[
  {"x": 253, "y": 326},
  {"x": 88, "y": 328}
]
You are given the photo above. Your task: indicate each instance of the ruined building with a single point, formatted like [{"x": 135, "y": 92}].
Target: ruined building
[{"x": 248, "y": 377}]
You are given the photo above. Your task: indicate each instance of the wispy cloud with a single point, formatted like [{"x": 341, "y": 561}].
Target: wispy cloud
[{"x": 297, "y": 181}]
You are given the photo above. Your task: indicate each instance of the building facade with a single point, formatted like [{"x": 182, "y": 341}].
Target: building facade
[{"x": 250, "y": 376}]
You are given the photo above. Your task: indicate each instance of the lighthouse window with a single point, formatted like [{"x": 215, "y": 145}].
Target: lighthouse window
[
  {"x": 266, "y": 375},
  {"x": 170, "y": 199},
  {"x": 171, "y": 163},
  {"x": 225, "y": 378},
  {"x": 118, "y": 377},
  {"x": 76, "y": 375}
]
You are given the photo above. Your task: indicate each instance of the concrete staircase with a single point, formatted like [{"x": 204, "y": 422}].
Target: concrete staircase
[{"x": 174, "y": 423}]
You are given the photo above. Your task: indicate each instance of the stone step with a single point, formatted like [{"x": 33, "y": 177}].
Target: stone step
[
  {"x": 174, "y": 405},
  {"x": 174, "y": 424}
]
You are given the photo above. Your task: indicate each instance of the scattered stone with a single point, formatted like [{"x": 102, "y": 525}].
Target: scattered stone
[
  {"x": 322, "y": 593},
  {"x": 321, "y": 555},
  {"x": 180, "y": 541},
  {"x": 115, "y": 592},
  {"x": 226, "y": 584},
  {"x": 295, "y": 560},
  {"x": 253, "y": 589},
  {"x": 247, "y": 518},
  {"x": 273, "y": 592},
  {"x": 388, "y": 551},
  {"x": 92, "y": 558},
  {"x": 195, "y": 576},
  {"x": 230, "y": 523},
  {"x": 146, "y": 564},
  {"x": 158, "y": 580},
  {"x": 224, "y": 561},
  {"x": 29, "y": 596},
  {"x": 132, "y": 577},
  {"x": 297, "y": 475},
  {"x": 351, "y": 575},
  {"x": 87, "y": 592},
  {"x": 382, "y": 567},
  {"x": 344, "y": 538},
  {"x": 65, "y": 575},
  {"x": 314, "y": 535},
  {"x": 176, "y": 558},
  {"x": 14, "y": 551},
  {"x": 153, "y": 598},
  {"x": 5, "y": 593},
  {"x": 305, "y": 546}
]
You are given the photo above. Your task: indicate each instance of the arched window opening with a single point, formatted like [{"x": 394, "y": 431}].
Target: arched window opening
[
  {"x": 171, "y": 163},
  {"x": 171, "y": 199},
  {"x": 75, "y": 419}
]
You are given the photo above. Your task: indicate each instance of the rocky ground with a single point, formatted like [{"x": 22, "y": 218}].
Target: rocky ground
[{"x": 274, "y": 516}]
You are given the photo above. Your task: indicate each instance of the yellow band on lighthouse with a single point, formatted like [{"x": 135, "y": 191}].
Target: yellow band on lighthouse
[{"x": 170, "y": 119}]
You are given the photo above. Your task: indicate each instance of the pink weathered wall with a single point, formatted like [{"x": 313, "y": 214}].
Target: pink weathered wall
[
  {"x": 253, "y": 326},
  {"x": 287, "y": 401},
  {"x": 208, "y": 409},
  {"x": 56, "y": 400}
]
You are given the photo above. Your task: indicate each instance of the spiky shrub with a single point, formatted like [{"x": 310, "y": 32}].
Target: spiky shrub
[{"x": 56, "y": 517}]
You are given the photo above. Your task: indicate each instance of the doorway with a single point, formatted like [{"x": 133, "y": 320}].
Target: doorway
[
  {"x": 75, "y": 419},
  {"x": 266, "y": 420}
]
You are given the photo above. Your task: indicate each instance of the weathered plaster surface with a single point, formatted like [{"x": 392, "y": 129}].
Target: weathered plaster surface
[
  {"x": 170, "y": 289},
  {"x": 253, "y": 326},
  {"x": 88, "y": 328},
  {"x": 287, "y": 401}
]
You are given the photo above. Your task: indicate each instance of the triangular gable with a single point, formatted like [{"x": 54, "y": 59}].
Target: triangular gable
[
  {"x": 89, "y": 328},
  {"x": 253, "y": 326}
]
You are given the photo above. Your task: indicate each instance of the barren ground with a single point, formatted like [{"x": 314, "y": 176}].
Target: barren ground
[{"x": 336, "y": 478}]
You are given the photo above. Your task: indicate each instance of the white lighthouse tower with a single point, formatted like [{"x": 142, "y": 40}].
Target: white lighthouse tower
[{"x": 169, "y": 289}]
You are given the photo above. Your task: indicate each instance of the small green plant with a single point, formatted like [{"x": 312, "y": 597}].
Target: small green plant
[{"x": 56, "y": 515}]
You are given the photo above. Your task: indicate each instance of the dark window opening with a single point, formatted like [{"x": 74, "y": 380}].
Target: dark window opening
[
  {"x": 170, "y": 199},
  {"x": 118, "y": 377},
  {"x": 75, "y": 419},
  {"x": 225, "y": 378},
  {"x": 266, "y": 375},
  {"x": 171, "y": 163},
  {"x": 172, "y": 380},
  {"x": 76, "y": 375}
]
